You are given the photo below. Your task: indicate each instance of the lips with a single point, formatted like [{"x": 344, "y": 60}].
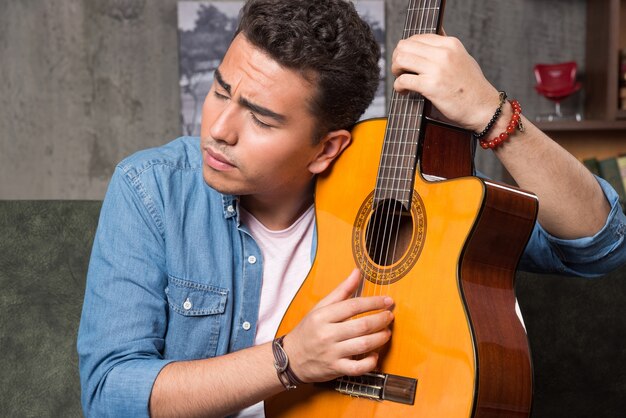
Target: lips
[{"x": 217, "y": 161}]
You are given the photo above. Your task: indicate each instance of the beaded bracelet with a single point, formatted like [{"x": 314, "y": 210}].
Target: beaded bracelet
[
  {"x": 515, "y": 122},
  {"x": 494, "y": 118}
]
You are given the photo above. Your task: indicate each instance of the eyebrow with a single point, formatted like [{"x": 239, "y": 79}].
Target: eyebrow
[
  {"x": 263, "y": 111},
  {"x": 221, "y": 82}
]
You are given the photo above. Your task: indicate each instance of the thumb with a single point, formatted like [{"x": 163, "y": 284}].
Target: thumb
[{"x": 344, "y": 291}]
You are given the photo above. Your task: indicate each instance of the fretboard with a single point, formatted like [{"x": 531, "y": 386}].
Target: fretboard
[{"x": 398, "y": 160}]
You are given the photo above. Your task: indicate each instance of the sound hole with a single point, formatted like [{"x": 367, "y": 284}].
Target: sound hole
[{"x": 388, "y": 234}]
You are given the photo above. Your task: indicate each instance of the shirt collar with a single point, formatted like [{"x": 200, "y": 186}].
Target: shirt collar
[{"x": 230, "y": 206}]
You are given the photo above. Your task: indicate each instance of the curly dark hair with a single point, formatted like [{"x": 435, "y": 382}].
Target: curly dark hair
[{"x": 328, "y": 43}]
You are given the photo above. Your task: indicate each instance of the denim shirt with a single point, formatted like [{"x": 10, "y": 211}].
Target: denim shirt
[{"x": 174, "y": 276}]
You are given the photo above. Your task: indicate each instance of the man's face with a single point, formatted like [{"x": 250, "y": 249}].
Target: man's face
[{"x": 256, "y": 126}]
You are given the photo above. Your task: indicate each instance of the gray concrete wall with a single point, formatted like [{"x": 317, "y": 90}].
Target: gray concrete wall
[{"x": 84, "y": 83}]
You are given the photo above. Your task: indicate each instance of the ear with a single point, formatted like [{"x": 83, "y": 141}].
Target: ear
[{"x": 330, "y": 146}]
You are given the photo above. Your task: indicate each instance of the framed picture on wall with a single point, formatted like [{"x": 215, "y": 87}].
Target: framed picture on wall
[{"x": 205, "y": 30}]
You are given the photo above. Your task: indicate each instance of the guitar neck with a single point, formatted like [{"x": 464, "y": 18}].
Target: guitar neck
[{"x": 405, "y": 118}]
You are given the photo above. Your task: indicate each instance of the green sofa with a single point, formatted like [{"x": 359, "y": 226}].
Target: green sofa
[{"x": 576, "y": 327}]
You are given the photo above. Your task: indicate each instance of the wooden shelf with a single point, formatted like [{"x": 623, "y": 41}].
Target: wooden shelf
[
  {"x": 592, "y": 142},
  {"x": 584, "y": 125},
  {"x": 603, "y": 134}
]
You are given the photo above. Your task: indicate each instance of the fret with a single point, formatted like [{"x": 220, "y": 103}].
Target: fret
[
  {"x": 396, "y": 159},
  {"x": 397, "y": 162},
  {"x": 396, "y": 172},
  {"x": 393, "y": 189},
  {"x": 393, "y": 178},
  {"x": 404, "y": 121},
  {"x": 408, "y": 115},
  {"x": 421, "y": 30},
  {"x": 394, "y": 143},
  {"x": 404, "y": 129},
  {"x": 407, "y": 125},
  {"x": 403, "y": 115},
  {"x": 405, "y": 141},
  {"x": 397, "y": 155},
  {"x": 401, "y": 142},
  {"x": 410, "y": 97},
  {"x": 405, "y": 106},
  {"x": 395, "y": 167}
]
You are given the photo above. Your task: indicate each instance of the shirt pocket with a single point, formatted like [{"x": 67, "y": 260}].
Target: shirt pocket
[{"x": 196, "y": 314}]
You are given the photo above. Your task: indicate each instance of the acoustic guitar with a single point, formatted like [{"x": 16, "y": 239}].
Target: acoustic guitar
[{"x": 403, "y": 205}]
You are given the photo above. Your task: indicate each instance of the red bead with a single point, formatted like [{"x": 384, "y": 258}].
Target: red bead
[{"x": 510, "y": 129}]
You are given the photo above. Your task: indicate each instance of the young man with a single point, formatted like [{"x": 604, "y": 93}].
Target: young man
[{"x": 203, "y": 243}]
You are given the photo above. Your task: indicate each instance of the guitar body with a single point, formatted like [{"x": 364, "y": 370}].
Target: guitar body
[{"x": 457, "y": 344}]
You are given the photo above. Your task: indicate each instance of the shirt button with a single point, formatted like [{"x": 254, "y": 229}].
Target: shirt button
[
  {"x": 187, "y": 305},
  {"x": 230, "y": 209},
  {"x": 246, "y": 325},
  {"x": 252, "y": 259}
]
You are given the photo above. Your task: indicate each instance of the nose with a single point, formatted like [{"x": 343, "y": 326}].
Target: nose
[{"x": 224, "y": 126}]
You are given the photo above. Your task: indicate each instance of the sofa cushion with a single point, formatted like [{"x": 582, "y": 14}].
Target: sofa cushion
[{"x": 44, "y": 252}]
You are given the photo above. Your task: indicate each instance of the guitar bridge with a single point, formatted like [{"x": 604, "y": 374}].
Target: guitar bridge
[{"x": 378, "y": 386}]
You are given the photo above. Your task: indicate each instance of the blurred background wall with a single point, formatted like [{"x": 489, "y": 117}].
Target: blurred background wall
[{"x": 84, "y": 83}]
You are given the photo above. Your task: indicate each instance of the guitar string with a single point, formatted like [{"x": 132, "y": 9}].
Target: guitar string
[
  {"x": 397, "y": 154},
  {"x": 428, "y": 15},
  {"x": 400, "y": 118},
  {"x": 412, "y": 113},
  {"x": 405, "y": 163},
  {"x": 374, "y": 240},
  {"x": 410, "y": 104},
  {"x": 410, "y": 126},
  {"x": 386, "y": 183},
  {"x": 401, "y": 173},
  {"x": 404, "y": 156},
  {"x": 399, "y": 150}
]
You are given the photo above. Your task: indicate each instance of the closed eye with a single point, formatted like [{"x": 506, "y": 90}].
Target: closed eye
[
  {"x": 259, "y": 123},
  {"x": 221, "y": 96}
]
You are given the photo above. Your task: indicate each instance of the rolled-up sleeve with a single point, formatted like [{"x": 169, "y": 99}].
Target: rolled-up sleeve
[
  {"x": 123, "y": 323},
  {"x": 588, "y": 256}
]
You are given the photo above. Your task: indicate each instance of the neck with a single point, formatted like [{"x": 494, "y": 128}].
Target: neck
[{"x": 277, "y": 213}]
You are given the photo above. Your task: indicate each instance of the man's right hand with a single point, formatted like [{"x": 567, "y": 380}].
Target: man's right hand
[{"x": 324, "y": 344}]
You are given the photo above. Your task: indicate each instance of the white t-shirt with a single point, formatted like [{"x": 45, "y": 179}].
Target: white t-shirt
[{"x": 286, "y": 263}]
